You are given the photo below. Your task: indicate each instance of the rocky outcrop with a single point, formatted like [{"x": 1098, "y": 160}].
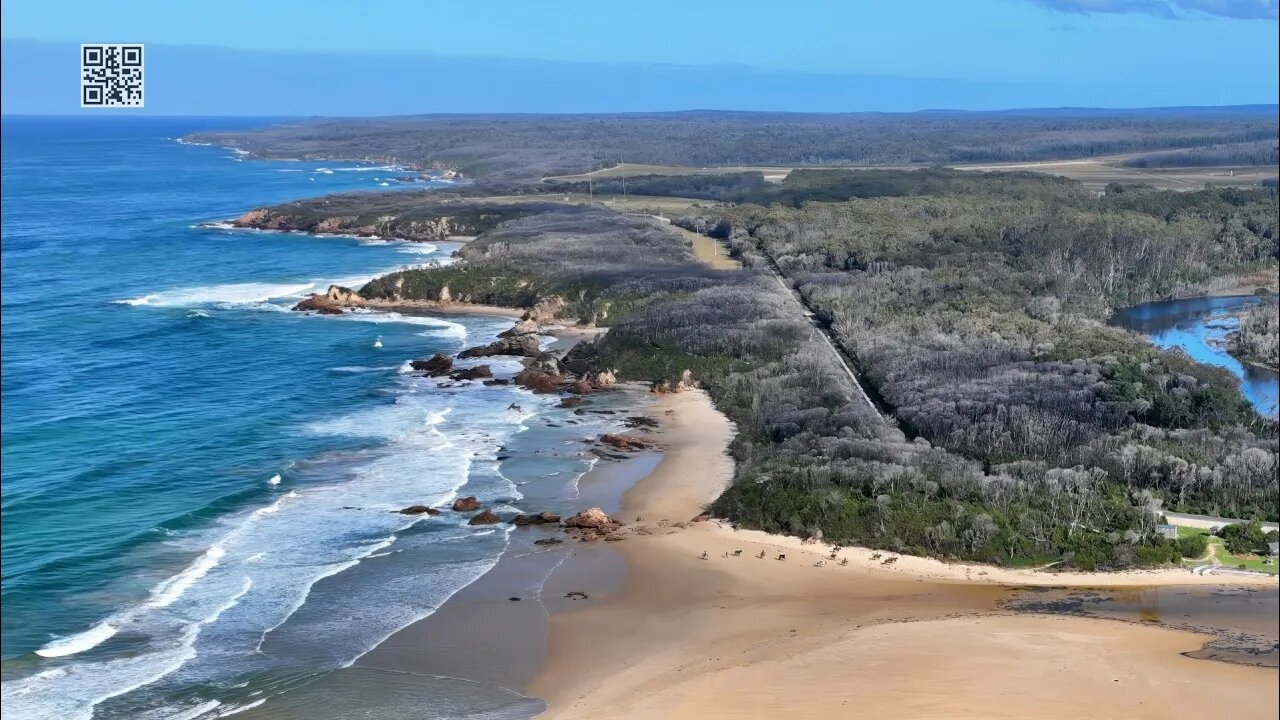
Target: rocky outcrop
[
  {"x": 343, "y": 296},
  {"x": 546, "y": 309},
  {"x": 579, "y": 387},
  {"x": 331, "y": 302},
  {"x": 521, "y": 345},
  {"x": 419, "y": 510},
  {"x": 318, "y": 304},
  {"x": 391, "y": 225},
  {"x": 524, "y": 327},
  {"x": 478, "y": 372},
  {"x": 542, "y": 518},
  {"x": 485, "y": 517},
  {"x": 590, "y": 518},
  {"x": 572, "y": 401},
  {"x": 591, "y": 524},
  {"x": 626, "y": 442},
  {"x": 538, "y": 381},
  {"x": 438, "y": 364},
  {"x": 686, "y": 382},
  {"x": 547, "y": 363},
  {"x": 466, "y": 504}
]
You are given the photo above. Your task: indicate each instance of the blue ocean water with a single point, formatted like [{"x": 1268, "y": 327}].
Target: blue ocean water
[{"x": 199, "y": 485}]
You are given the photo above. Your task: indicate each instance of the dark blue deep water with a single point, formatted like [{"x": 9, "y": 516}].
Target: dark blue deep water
[{"x": 198, "y": 483}]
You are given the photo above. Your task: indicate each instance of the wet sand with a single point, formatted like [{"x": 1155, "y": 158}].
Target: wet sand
[{"x": 743, "y": 636}]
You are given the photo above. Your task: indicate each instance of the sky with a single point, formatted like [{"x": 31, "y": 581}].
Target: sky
[{"x": 1127, "y": 52}]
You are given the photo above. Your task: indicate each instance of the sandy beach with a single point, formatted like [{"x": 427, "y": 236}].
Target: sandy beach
[{"x": 737, "y": 635}]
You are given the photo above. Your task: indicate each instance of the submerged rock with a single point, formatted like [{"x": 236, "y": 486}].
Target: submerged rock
[
  {"x": 572, "y": 401},
  {"x": 419, "y": 510}
]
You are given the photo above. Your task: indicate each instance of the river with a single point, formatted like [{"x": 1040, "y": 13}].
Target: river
[{"x": 1199, "y": 326}]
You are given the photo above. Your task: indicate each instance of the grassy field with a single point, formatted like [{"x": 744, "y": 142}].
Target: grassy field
[
  {"x": 1096, "y": 173},
  {"x": 647, "y": 204},
  {"x": 1093, "y": 173},
  {"x": 772, "y": 174},
  {"x": 1219, "y": 552}
]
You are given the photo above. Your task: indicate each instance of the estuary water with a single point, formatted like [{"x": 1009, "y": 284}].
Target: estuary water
[
  {"x": 1199, "y": 326},
  {"x": 200, "y": 486}
]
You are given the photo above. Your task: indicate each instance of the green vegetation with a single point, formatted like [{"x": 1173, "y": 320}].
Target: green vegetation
[
  {"x": 1257, "y": 340},
  {"x": 507, "y": 151},
  {"x": 1019, "y": 428},
  {"x": 1247, "y": 559}
]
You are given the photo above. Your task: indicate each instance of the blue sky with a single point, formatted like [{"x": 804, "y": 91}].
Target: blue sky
[{"x": 1157, "y": 51}]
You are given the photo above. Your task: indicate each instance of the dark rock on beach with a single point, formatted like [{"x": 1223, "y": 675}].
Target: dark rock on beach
[
  {"x": 626, "y": 442},
  {"x": 542, "y": 518}
]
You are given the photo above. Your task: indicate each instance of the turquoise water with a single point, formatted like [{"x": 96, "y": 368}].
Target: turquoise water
[
  {"x": 1199, "y": 327},
  {"x": 198, "y": 483}
]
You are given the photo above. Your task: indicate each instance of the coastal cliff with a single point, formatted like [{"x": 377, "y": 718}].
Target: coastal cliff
[{"x": 426, "y": 216}]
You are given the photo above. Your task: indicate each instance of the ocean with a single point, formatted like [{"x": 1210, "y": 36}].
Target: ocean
[{"x": 200, "y": 486}]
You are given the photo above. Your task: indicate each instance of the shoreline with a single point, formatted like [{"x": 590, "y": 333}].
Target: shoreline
[{"x": 739, "y": 636}]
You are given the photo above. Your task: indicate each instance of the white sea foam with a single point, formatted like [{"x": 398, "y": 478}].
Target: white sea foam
[
  {"x": 275, "y": 480},
  {"x": 418, "y": 248},
  {"x": 170, "y": 590},
  {"x": 80, "y": 642},
  {"x": 197, "y": 711},
  {"x": 229, "y": 294},
  {"x": 258, "y": 588},
  {"x": 235, "y": 709}
]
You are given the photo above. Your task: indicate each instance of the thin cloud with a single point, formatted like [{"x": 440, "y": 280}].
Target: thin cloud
[{"x": 1173, "y": 9}]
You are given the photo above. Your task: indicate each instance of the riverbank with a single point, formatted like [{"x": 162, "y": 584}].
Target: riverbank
[{"x": 736, "y": 635}]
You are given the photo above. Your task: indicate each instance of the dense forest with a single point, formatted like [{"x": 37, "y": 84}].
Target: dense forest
[
  {"x": 1260, "y": 152},
  {"x": 1257, "y": 339},
  {"x": 505, "y": 151},
  {"x": 1014, "y": 426},
  {"x": 976, "y": 318}
]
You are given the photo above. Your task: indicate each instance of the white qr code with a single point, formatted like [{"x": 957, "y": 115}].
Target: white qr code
[{"x": 111, "y": 76}]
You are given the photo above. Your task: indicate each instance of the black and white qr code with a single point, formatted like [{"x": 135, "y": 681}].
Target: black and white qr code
[{"x": 111, "y": 76}]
